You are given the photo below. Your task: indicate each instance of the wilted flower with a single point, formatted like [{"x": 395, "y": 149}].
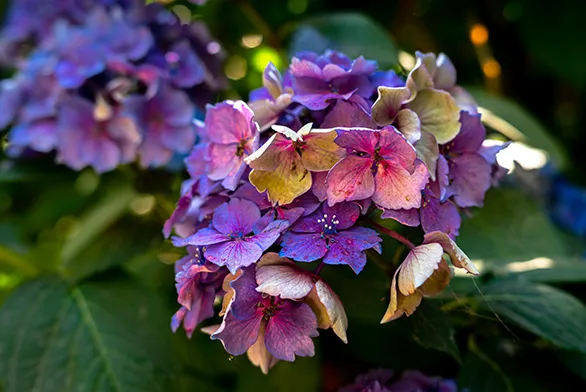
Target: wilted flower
[{"x": 283, "y": 164}]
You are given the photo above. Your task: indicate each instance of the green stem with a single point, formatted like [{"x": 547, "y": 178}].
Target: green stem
[{"x": 17, "y": 261}]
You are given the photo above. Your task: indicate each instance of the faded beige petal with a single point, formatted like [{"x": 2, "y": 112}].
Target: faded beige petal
[
  {"x": 457, "y": 256},
  {"x": 258, "y": 353},
  {"x": 407, "y": 122},
  {"x": 419, "y": 265},
  {"x": 439, "y": 114},
  {"x": 334, "y": 308},
  {"x": 388, "y": 104},
  {"x": 428, "y": 152}
]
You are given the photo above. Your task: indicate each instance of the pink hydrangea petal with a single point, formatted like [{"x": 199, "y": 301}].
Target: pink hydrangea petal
[
  {"x": 229, "y": 122},
  {"x": 350, "y": 179},
  {"x": 222, "y": 159},
  {"x": 289, "y": 331},
  {"x": 358, "y": 139},
  {"x": 396, "y": 188},
  {"x": 345, "y": 213},
  {"x": 394, "y": 145},
  {"x": 303, "y": 247},
  {"x": 318, "y": 185}
]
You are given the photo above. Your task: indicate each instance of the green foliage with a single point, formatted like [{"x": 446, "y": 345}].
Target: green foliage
[
  {"x": 107, "y": 335},
  {"x": 546, "y": 311},
  {"x": 351, "y": 33}
]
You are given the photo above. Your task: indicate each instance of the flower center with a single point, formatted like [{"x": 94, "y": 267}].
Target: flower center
[
  {"x": 269, "y": 306},
  {"x": 328, "y": 225},
  {"x": 333, "y": 88},
  {"x": 240, "y": 149}
]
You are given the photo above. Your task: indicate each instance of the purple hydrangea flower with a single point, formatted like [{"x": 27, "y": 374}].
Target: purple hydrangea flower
[
  {"x": 167, "y": 124},
  {"x": 469, "y": 171},
  {"x": 329, "y": 234},
  {"x": 233, "y": 239},
  {"x": 180, "y": 64},
  {"x": 319, "y": 80},
  {"x": 373, "y": 381},
  {"x": 198, "y": 284},
  {"x": 381, "y": 380},
  {"x": 232, "y": 135},
  {"x": 88, "y": 136},
  {"x": 380, "y": 165},
  {"x": 285, "y": 326}
]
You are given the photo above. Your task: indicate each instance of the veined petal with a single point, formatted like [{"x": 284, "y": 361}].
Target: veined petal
[
  {"x": 234, "y": 254},
  {"x": 419, "y": 265},
  {"x": 350, "y": 179},
  {"x": 303, "y": 247},
  {"x": 439, "y": 114},
  {"x": 320, "y": 152},
  {"x": 470, "y": 175},
  {"x": 236, "y": 217},
  {"x": 396, "y": 188}
]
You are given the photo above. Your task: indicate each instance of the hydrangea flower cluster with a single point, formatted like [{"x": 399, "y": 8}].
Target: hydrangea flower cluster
[
  {"x": 383, "y": 380},
  {"x": 309, "y": 171},
  {"x": 105, "y": 82}
]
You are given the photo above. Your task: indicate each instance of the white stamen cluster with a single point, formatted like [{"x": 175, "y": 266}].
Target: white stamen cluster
[{"x": 331, "y": 225}]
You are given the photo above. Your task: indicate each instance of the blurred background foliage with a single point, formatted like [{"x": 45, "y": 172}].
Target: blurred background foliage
[{"x": 519, "y": 327}]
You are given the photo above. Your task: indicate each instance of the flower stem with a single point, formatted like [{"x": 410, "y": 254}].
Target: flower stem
[
  {"x": 319, "y": 267},
  {"x": 392, "y": 234}
]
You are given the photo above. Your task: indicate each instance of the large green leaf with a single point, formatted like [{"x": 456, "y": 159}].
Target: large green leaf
[
  {"x": 480, "y": 373},
  {"x": 525, "y": 128},
  {"x": 351, "y": 33},
  {"x": 108, "y": 335},
  {"x": 431, "y": 328},
  {"x": 510, "y": 227},
  {"x": 548, "y": 312}
]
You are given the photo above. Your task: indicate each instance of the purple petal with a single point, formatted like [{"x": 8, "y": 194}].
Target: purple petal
[
  {"x": 359, "y": 139},
  {"x": 303, "y": 247},
  {"x": 347, "y": 114},
  {"x": 350, "y": 179},
  {"x": 289, "y": 331},
  {"x": 347, "y": 247},
  {"x": 221, "y": 159},
  {"x": 236, "y": 217},
  {"x": 238, "y": 335},
  {"x": 205, "y": 236},
  {"x": 470, "y": 175},
  {"x": 246, "y": 297},
  {"x": 234, "y": 254},
  {"x": 471, "y": 136},
  {"x": 318, "y": 185},
  {"x": 436, "y": 216},
  {"x": 269, "y": 234},
  {"x": 346, "y": 214},
  {"x": 406, "y": 217}
]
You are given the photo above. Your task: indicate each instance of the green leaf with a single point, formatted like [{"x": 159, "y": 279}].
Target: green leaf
[
  {"x": 94, "y": 221},
  {"x": 546, "y": 270},
  {"x": 545, "y": 311},
  {"x": 575, "y": 361},
  {"x": 108, "y": 335},
  {"x": 522, "y": 126},
  {"x": 351, "y": 33},
  {"x": 431, "y": 328},
  {"x": 510, "y": 227},
  {"x": 480, "y": 373},
  {"x": 301, "y": 375}
]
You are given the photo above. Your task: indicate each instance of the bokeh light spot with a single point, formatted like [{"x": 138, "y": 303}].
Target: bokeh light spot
[
  {"x": 263, "y": 56},
  {"x": 491, "y": 68},
  {"x": 297, "y": 7},
  {"x": 478, "y": 34},
  {"x": 235, "y": 68},
  {"x": 251, "y": 40}
]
